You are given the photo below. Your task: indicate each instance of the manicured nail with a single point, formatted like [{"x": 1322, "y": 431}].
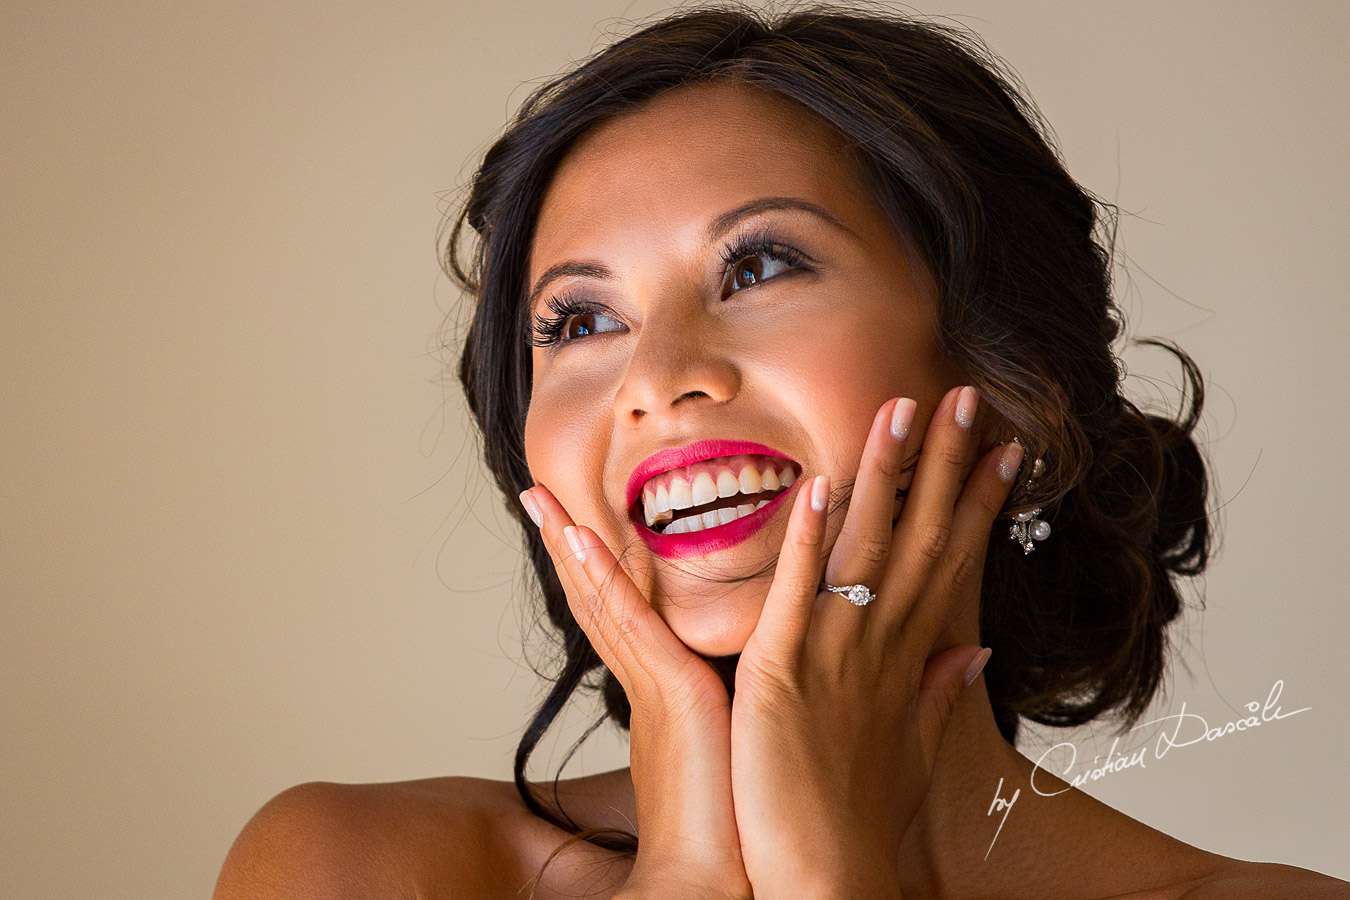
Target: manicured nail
[
  {"x": 901, "y": 416},
  {"x": 965, "y": 406},
  {"x": 574, "y": 541},
  {"x": 820, "y": 492},
  {"x": 977, "y": 664},
  {"x": 527, "y": 501},
  {"x": 1009, "y": 461}
]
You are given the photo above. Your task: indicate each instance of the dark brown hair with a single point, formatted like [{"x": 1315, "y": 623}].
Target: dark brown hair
[{"x": 962, "y": 163}]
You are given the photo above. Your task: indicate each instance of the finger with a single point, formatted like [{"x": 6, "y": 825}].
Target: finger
[
  {"x": 861, "y": 552},
  {"x": 945, "y": 676},
  {"x": 615, "y": 615},
  {"x": 644, "y": 633},
  {"x": 925, "y": 526},
  {"x": 786, "y": 618},
  {"x": 958, "y": 578},
  {"x": 582, "y": 597},
  {"x": 570, "y": 590},
  {"x": 547, "y": 531}
]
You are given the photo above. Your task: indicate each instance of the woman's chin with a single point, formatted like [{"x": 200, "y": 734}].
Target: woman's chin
[{"x": 715, "y": 628}]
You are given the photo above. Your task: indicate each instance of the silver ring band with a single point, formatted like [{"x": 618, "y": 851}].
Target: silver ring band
[{"x": 857, "y": 594}]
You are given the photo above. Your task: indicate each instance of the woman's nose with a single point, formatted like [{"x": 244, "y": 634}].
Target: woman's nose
[{"x": 676, "y": 361}]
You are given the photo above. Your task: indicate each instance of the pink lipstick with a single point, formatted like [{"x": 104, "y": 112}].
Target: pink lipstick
[
  {"x": 710, "y": 539},
  {"x": 718, "y": 537}
]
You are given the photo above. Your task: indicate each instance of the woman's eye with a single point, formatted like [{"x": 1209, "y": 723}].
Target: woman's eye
[
  {"x": 572, "y": 318},
  {"x": 750, "y": 261},
  {"x": 750, "y": 270},
  {"x": 583, "y": 324}
]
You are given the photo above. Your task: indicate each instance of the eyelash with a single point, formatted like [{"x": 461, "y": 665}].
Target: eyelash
[{"x": 547, "y": 330}]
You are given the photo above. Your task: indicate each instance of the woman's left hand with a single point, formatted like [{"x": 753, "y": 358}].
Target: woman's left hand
[{"x": 839, "y": 710}]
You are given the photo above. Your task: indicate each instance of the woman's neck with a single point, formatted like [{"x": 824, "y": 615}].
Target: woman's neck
[{"x": 985, "y": 830}]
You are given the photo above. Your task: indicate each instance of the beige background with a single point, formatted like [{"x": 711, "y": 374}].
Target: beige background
[{"x": 245, "y": 541}]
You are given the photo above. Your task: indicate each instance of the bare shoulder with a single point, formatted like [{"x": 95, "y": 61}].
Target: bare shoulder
[
  {"x": 326, "y": 841},
  {"x": 1240, "y": 880},
  {"x": 1201, "y": 875}
]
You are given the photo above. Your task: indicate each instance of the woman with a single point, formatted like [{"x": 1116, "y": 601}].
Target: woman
[{"x": 775, "y": 315}]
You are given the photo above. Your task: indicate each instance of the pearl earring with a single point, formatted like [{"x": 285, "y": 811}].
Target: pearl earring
[{"x": 1027, "y": 528}]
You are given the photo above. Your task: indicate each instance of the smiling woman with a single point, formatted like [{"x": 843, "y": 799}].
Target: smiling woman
[
  {"x": 782, "y": 271},
  {"x": 766, "y": 307}
]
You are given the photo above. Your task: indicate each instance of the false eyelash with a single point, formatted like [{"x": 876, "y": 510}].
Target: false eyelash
[
  {"x": 547, "y": 330},
  {"x": 761, "y": 241}
]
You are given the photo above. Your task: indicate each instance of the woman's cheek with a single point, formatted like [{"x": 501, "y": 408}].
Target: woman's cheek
[
  {"x": 545, "y": 430},
  {"x": 564, "y": 430}
]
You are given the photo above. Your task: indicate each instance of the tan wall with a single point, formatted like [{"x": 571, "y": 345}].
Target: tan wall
[{"x": 245, "y": 541}]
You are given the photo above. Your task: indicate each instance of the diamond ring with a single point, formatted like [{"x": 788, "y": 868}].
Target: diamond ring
[{"x": 857, "y": 594}]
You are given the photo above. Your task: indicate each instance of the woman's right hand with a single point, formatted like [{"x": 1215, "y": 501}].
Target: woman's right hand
[{"x": 680, "y": 731}]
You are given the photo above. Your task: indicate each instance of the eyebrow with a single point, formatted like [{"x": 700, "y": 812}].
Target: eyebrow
[{"x": 716, "y": 228}]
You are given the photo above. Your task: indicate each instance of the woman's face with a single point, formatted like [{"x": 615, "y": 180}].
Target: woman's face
[{"x": 797, "y": 356}]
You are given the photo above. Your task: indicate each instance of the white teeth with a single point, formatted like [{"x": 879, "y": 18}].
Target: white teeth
[
  {"x": 674, "y": 493},
  {"x": 705, "y": 490},
  {"x": 769, "y": 480},
  {"x": 713, "y": 517},
  {"x": 649, "y": 506},
  {"x": 680, "y": 495},
  {"x": 749, "y": 480}
]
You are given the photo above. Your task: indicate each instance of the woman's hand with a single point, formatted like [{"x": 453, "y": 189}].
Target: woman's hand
[
  {"x": 839, "y": 709},
  {"x": 680, "y": 731}
]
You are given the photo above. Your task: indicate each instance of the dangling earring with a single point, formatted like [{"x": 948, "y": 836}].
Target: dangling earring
[{"x": 1027, "y": 528}]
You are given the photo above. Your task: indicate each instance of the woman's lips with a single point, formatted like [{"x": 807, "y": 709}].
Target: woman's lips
[
  {"x": 674, "y": 458},
  {"x": 709, "y": 540}
]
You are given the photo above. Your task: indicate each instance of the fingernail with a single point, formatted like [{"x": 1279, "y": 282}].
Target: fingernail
[
  {"x": 820, "y": 492},
  {"x": 574, "y": 541},
  {"x": 965, "y": 406},
  {"x": 901, "y": 416},
  {"x": 977, "y": 664},
  {"x": 527, "y": 501},
  {"x": 1009, "y": 461}
]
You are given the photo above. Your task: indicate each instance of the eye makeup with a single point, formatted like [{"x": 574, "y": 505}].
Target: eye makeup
[{"x": 551, "y": 331}]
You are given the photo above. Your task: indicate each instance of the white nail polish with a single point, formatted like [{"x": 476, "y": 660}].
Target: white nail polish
[
  {"x": 965, "y": 406},
  {"x": 820, "y": 492},
  {"x": 977, "y": 665},
  {"x": 574, "y": 541},
  {"x": 901, "y": 416},
  {"x": 1009, "y": 461}
]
